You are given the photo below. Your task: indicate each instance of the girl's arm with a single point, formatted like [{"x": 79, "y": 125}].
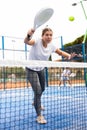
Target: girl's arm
[
  {"x": 28, "y": 39},
  {"x": 65, "y": 54}
]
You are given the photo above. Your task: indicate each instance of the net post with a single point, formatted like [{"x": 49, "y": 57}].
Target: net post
[
  {"x": 84, "y": 56},
  {"x": 46, "y": 76},
  {"x": 84, "y": 41},
  {"x": 62, "y": 45},
  {"x": 3, "y": 69},
  {"x": 25, "y": 51},
  {"x": 3, "y": 47}
]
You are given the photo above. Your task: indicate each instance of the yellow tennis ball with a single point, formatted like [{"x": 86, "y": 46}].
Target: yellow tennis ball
[{"x": 71, "y": 18}]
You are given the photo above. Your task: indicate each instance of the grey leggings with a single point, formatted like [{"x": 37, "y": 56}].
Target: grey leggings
[{"x": 37, "y": 80}]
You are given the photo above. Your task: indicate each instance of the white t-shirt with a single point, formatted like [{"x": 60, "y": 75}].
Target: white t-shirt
[{"x": 39, "y": 52}]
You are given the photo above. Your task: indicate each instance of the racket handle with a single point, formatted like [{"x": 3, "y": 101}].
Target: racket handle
[
  {"x": 28, "y": 37},
  {"x": 35, "y": 27}
]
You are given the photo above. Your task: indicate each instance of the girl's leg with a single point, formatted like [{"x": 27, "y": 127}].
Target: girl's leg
[
  {"x": 32, "y": 76},
  {"x": 41, "y": 75}
]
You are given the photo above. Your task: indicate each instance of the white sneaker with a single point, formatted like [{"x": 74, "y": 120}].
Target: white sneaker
[{"x": 40, "y": 119}]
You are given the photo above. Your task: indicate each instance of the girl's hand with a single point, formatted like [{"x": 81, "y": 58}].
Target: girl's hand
[
  {"x": 72, "y": 56},
  {"x": 31, "y": 32}
]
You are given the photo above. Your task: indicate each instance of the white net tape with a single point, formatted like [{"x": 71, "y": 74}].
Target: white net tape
[{"x": 37, "y": 63}]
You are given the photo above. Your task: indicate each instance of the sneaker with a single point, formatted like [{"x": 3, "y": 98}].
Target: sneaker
[
  {"x": 42, "y": 107},
  {"x": 40, "y": 119}
]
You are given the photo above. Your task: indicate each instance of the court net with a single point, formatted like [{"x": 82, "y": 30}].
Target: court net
[{"x": 64, "y": 98}]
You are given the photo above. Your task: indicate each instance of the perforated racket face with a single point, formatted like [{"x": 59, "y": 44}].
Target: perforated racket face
[{"x": 42, "y": 16}]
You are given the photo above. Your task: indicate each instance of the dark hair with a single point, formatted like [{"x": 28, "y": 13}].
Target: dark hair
[{"x": 45, "y": 30}]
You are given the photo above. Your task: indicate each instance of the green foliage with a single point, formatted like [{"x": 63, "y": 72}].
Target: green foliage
[
  {"x": 77, "y": 47},
  {"x": 18, "y": 71},
  {"x": 78, "y": 40}
]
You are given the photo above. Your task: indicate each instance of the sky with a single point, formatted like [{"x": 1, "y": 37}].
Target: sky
[{"x": 17, "y": 18}]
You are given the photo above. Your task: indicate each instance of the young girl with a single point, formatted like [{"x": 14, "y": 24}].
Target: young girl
[{"x": 41, "y": 50}]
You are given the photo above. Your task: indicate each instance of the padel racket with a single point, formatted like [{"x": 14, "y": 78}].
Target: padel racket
[
  {"x": 42, "y": 16},
  {"x": 72, "y": 75}
]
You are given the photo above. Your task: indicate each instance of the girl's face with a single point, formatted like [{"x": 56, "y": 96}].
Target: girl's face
[{"x": 47, "y": 37}]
